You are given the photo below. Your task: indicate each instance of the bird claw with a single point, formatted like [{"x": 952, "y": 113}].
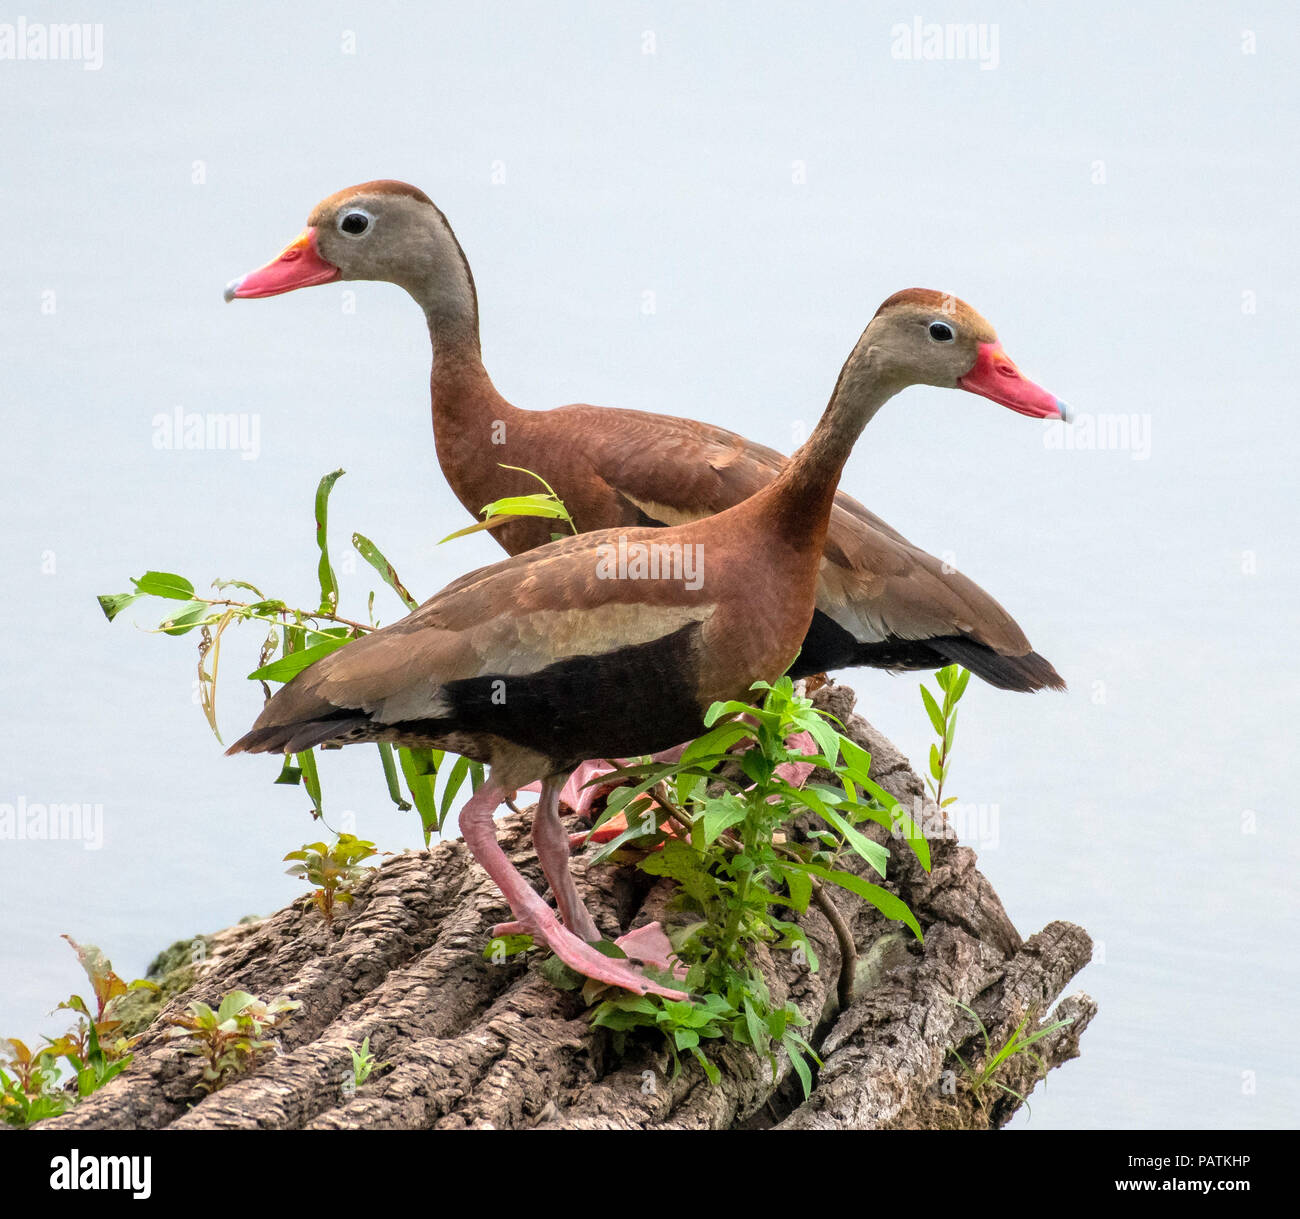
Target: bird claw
[
  {"x": 648, "y": 944},
  {"x": 590, "y": 962}
]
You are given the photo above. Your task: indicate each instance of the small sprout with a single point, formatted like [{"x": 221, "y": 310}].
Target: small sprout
[
  {"x": 1017, "y": 1043},
  {"x": 333, "y": 869},
  {"x": 231, "y": 1040},
  {"x": 363, "y": 1063},
  {"x": 952, "y": 681}
]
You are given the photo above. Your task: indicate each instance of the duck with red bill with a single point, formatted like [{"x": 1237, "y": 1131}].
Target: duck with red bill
[
  {"x": 298, "y": 265},
  {"x": 995, "y": 375}
]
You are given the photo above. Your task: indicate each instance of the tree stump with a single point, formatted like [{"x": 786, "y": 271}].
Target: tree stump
[{"x": 464, "y": 1042}]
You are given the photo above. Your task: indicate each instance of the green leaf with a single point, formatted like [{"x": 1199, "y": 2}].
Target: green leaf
[
  {"x": 686, "y": 866},
  {"x": 185, "y": 619},
  {"x": 932, "y": 710},
  {"x": 491, "y": 523},
  {"x": 232, "y": 1004},
  {"x": 455, "y": 779},
  {"x": 420, "y": 766},
  {"x": 890, "y": 906},
  {"x": 959, "y": 686},
  {"x": 874, "y": 854},
  {"x": 755, "y": 1026},
  {"x": 114, "y": 603},
  {"x": 390, "y": 777},
  {"x": 900, "y": 817},
  {"x": 857, "y": 761},
  {"x": 643, "y": 828},
  {"x": 311, "y": 779},
  {"x": 793, "y": 1049},
  {"x": 712, "y": 1072},
  {"x": 828, "y": 740},
  {"x": 372, "y": 555},
  {"x": 549, "y": 489},
  {"x": 289, "y": 773},
  {"x": 287, "y": 667},
  {"x": 526, "y": 505},
  {"x": 499, "y": 511},
  {"x": 559, "y": 975},
  {"x": 716, "y": 711},
  {"x": 800, "y": 887},
  {"x": 164, "y": 584},
  {"x": 221, "y": 585},
  {"x": 721, "y": 815},
  {"x": 329, "y": 585}
]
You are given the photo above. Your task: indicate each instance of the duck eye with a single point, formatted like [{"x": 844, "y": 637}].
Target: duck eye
[
  {"x": 941, "y": 332},
  {"x": 354, "y": 223}
]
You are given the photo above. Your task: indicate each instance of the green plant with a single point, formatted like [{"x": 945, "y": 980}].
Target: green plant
[
  {"x": 29, "y": 1084},
  {"x": 35, "y": 1085},
  {"x": 363, "y": 1063},
  {"x": 333, "y": 868},
  {"x": 1017, "y": 1043},
  {"x": 727, "y": 840},
  {"x": 231, "y": 1040},
  {"x": 952, "y": 682},
  {"x": 302, "y": 636},
  {"x": 499, "y": 511}
]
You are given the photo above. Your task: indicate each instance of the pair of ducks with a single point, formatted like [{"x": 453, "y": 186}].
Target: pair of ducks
[{"x": 542, "y": 662}]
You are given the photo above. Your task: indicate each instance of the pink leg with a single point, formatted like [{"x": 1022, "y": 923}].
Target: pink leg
[
  {"x": 648, "y": 943},
  {"x": 552, "y": 843},
  {"x": 578, "y": 796},
  {"x": 534, "y": 915},
  {"x": 794, "y": 773}
]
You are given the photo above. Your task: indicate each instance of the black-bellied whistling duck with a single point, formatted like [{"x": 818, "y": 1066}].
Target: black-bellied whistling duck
[
  {"x": 562, "y": 653},
  {"x": 880, "y": 600}
]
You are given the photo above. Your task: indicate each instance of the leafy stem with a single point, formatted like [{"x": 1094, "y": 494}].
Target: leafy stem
[{"x": 952, "y": 681}]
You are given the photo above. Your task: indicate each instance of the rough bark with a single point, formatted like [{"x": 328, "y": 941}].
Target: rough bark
[{"x": 468, "y": 1043}]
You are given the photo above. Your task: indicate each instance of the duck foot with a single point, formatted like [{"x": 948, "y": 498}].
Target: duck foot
[
  {"x": 648, "y": 944},
  {"x": 591, "y": 963}
]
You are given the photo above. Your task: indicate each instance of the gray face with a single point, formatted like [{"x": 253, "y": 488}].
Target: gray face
[
  {"x": 380, "y": 237},
  {"x": 929, "y": 346}
]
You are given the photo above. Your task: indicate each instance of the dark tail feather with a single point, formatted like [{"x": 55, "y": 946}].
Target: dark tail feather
[
  {"x": 295, "y": 738},
  {"x": 1025, "y": 673}
]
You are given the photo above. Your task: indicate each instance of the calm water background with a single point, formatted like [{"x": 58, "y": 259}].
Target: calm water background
[{"x": 1116, "y": 194}]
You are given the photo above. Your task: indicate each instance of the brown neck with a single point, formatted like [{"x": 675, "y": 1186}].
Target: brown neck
[
  {"x": 468, "y": 412},
  {"x": 797, "y": 504},
  {"x": 471, "y": 420}
]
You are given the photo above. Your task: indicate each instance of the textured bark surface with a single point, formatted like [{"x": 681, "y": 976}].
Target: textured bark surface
[{"x": 469, "y": 1043}]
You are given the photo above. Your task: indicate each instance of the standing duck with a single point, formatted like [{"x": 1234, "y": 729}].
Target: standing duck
[
  {"x": 881, "y": 601},
  {"x": 565, "y": 653}
]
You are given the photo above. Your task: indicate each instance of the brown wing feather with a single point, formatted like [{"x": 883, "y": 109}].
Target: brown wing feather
[
  {"x": 511, "y": 618},
  {"x": 874, "y": 582}
]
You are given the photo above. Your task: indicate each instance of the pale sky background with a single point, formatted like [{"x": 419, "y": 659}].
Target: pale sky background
[{"x": 1117, "y": 195}]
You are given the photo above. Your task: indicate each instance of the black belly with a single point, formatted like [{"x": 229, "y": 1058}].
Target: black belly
[{"x": 637, "y": 699}]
